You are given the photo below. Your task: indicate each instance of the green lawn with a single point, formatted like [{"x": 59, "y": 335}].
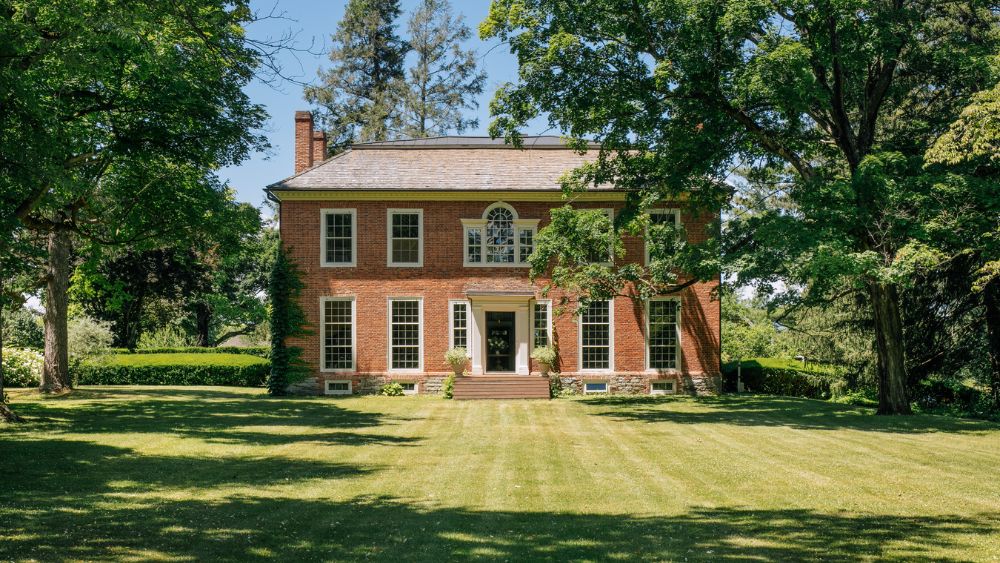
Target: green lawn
[{"x": 220, "y": 473}]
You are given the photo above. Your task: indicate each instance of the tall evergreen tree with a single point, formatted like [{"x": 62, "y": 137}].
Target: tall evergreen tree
[
  {"x": 356, "y": 94},
  {"x": 445, "y": 79}
]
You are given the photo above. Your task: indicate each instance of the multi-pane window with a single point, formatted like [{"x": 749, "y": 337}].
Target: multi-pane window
[
  {"x": 499, "y": 239},
  {"x": 404, "y": 334},
  {"x": 338, "y": 237},
  {"x": 405, "y": 237},
  {"x": 338, "y": 334},
  {"x": 460, "y": 324},
  {"x": 664, "y": 333},
  {"x": 595, "y": 336},
  {"x": 658, "y": 217},
  {"x": 500, "y": 236},
  {"x": 474, "y": 243},
  {"x": 526, "y": 240},
  {"x": 540, "y": 328}
]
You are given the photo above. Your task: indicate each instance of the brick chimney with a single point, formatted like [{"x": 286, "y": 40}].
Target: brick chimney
[
  {"x": 303, "y": 140},
  {"x": 318, "y": 147}
]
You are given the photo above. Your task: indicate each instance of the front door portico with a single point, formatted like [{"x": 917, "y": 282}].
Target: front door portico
[{"x": 499, "y": 332}]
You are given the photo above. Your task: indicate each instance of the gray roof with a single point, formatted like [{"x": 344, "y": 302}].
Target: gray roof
[{"x": 443, "y": 163}]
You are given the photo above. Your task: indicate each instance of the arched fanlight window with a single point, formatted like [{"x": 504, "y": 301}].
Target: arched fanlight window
[{"x": 500, "y": 236}]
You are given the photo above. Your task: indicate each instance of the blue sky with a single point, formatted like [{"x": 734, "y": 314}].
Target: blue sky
[{"x": 314, "y": 21}]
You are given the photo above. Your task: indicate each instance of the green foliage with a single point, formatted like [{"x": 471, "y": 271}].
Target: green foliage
[
  {"x": 448, "y": 386},
  {"x": 444, "y": 79},
  {"x": 748, "y": 331},
  {"x": 817, "y": 117},
  {"x": 776, "y": 376},
  {"x": 545, "y": 355},
  {"x": 952, "y": 396},
  {"x": 393, "y": 389},
  {"x": 356, "y": 94},
  {"x": 22, "y": 329},
  {"x": 22, "y": 367},
  {"x": 168, "y": 336},
  {"x": 457, "y": 358},
  {"x": 175, "y": 369},
  {"x": 259, "y": 351},
  {"x": 88, "y": 338},
  {"x": 287, "y": 321}
]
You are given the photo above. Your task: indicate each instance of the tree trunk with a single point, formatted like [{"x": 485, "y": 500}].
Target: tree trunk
[
  {"x": 55, "y": 372},
  {"x": 889, "y": 339},
  {"x": 991, "y": 300},
  {"x": 203, "y": 321}
]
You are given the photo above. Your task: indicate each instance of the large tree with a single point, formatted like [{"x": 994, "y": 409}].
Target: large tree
[
  {"x": 356, "y": 95},
  {"x": 826, "y": 103},
  {"x": 444, "y": 81},
  {"x": 112, "y": 113}
]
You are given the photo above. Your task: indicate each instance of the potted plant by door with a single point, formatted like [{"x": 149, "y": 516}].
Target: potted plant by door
[
  {"x": 546, "y": 358},
  {"x": 458, "y": 359}
]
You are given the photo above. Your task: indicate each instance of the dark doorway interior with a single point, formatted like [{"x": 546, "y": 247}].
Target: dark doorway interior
[{"x": 499, "y": 341}]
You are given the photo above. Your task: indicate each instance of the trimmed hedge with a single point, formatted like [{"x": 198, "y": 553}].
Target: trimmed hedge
[
  {"x": 259, "y": 351},
  {"x": 175, "y": 369},
  {"x": 775, "y": 376}
]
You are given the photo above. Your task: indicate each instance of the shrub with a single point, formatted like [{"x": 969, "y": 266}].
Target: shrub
[
  {"x": 448, "y": 387},
  {"x": 22, "y": 367},
  {"x": 775, "y": 376},
  {"x": 22, "y": 329},
  {"x": 457, "y": 358},
  {"x": 174, "y": 369},
  {"x": 165, "y": 337},
  {"x": 545, "y": 355},
  {"x": 391, "y": 390},
  {"x": 259, "y": 351},
  {"x": 88, "y": 338}
]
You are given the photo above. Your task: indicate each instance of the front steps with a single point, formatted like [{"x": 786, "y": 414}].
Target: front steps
[{"x": 501, "y": 387}]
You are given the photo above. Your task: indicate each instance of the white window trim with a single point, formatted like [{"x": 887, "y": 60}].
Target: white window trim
[
  {"x": 672, "y": 391},
  {"x": 518, "y": 225},
  {"x": 415, "y": 384},
  {"x": 531, "y": 321},
  {"x": 420, "y": 237},
  {"x": 680, "y": 333},
  {"x": 350, "y": 387},
  {"x": 611, "y": 341},
  {"x": 322, "y": 334},
  {"x": 322, "y": 239},
  {"x": 420, "y": 334},
  {"x": 645, "y": 235},
  {"x": 607, "y": 387},
  {"x": 468, "y": 323}
]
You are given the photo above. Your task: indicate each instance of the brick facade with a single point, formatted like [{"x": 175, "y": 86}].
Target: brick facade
[{"x": 442, "y": 278}]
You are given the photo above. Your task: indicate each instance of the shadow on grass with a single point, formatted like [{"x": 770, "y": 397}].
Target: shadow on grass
[
  {"x": 766, "y": 410},
  {"x": 212, "y": 415},
  {"x": 245, "y": 528}
]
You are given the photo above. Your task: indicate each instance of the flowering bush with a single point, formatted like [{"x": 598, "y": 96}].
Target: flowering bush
[{"x": 22, "y": 367}]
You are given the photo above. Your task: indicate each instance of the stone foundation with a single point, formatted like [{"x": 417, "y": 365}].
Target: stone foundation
[{"x": 618, "y": 383}]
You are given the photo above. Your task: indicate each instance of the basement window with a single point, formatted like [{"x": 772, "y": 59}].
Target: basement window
[
  {"x": 661, "y": 388},
  {"x": 408, "y": 388},
  {"x": 338, "y": 387},
  {"x": 592, "y": 387}
]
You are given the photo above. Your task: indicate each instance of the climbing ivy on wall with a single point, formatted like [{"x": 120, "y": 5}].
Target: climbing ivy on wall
[{"x": 287, "y": 321}]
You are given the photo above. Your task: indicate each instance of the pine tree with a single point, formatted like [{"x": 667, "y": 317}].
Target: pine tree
[
  {"x": 356, "y": 94},
  {"x": 444, "y": 79}
]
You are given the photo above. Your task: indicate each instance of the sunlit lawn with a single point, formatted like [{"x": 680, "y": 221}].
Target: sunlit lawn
[{"x": 223, "y": 473}]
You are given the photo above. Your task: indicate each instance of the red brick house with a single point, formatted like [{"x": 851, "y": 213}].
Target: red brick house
[{"x": 409, "y": 248}]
